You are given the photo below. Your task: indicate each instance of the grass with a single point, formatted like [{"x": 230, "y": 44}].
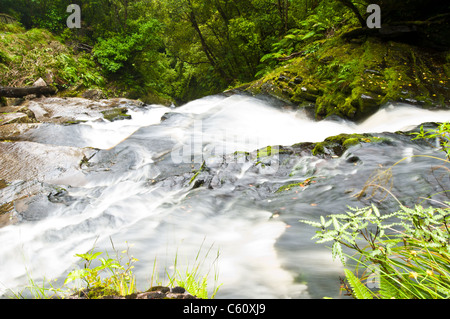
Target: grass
[
  {"x": 113, "y": 276},
  {"x": 27, "y": 55},
  {"x": 191, "y": 278}
]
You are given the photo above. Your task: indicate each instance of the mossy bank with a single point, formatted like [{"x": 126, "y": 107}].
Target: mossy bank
[
  {"x": 29, "y": 55},
  {"x": 353, "y": 78}
]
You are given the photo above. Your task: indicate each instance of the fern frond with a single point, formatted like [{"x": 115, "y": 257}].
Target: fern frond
[
  {"x": 360, "y": 291},
  {"x": 388, "y": 290}
]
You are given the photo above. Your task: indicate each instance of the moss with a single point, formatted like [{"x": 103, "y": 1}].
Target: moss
[
  {"x": 337, "y": 145},
  {"x": 350, "y": 142},
  {"x": 353, "y": 80},
  {"x": 100, "y": 292},
  {"x": 73, "y": 122},
  {"x": 118, "y": 113},
  {"x": 267, "y": 151}
]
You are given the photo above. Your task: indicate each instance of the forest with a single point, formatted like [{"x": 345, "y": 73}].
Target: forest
[{"x": 185, "y": 49}]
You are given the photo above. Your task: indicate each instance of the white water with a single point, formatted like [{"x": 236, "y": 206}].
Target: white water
[
  {"x": 162, "y": 222},
  {"x": 248, "y": 120}
]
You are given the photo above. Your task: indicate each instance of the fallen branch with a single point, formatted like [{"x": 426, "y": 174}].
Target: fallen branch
[
  {"x": 293, "y": 55},
  {"x": 21, "y": 92}
]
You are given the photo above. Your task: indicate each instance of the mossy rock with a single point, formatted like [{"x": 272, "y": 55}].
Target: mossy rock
[
  {"x": 303, "y": 183},
  {"x": 116, "y": 114},
  {"x": 337, "y": 145},
  {"x": 353, "y": 81}
]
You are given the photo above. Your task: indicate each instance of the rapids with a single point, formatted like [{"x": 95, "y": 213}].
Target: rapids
[{"x": 138, "y": 189}]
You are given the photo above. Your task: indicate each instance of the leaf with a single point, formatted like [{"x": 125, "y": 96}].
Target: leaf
[
  {"x": 387, "y": 289},
  {"x": 360, "y": 291},
  {"x": 337, "y": 252},
  {"x": 308, "y": 35},
  {"x": 76, "y": 274},
  {"x": 311, "y": 223},
  {"x": 89, "y": 256}
]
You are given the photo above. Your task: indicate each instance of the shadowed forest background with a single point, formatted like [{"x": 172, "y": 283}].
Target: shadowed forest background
[{"x": 180, "y": 50}]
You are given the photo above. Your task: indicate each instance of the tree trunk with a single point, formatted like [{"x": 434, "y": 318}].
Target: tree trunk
[
  {"x": 209, "y": 54},
  {"x": 349, "y": 4},
  {"x": 21, "y": 92}
]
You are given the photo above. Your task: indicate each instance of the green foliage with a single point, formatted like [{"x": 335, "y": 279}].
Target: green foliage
[
  {"x": 406, "y": 253},
  {"x": 54, "y": 19},
  {"x": 120, "y": 50},
  {"x": 113, "y": 276},
  {"x": 121, "y": 280},
  {"x": 78, "y": 70},
  {"x": 190, "y": 278},
  {"x": 441, "y": 133},
  {"x": 358, "y": 288},
  {"x": 410, "y": 249}
]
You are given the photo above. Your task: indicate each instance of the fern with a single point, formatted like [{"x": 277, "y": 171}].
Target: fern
[
  {"x": 388, "y": 290},
  {"x": 359, "y": 290}
]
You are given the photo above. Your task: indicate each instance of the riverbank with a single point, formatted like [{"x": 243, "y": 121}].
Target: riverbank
[
  {"x": 353, "y": 78},
  {"x": 29, "y": 56}
]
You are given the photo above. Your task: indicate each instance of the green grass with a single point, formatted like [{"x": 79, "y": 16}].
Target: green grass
[
  {"x": 27, "y": 55},
  {"x": 113, "y": 275},
  {"x": 191, "y": 278}
]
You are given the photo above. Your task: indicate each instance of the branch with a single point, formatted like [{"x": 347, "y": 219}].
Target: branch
[{"x": 21, "y": 92}]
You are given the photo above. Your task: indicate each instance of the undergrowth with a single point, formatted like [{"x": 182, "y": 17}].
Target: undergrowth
[
  {"x": 113, "y": 275},
  {"x": 399, "y": 255}
]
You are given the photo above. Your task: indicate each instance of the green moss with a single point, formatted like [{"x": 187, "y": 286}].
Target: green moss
[
  {"x": 118, "y": 113},
  {"x": 353, "y": 80},
  {"x": 267, "y": 151},
  {"x": 350, "y": 142},
  {"x": 337, "y": 145}
]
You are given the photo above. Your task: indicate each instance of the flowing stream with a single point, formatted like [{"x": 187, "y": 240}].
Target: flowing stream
[{"x": 175, "y": 182}]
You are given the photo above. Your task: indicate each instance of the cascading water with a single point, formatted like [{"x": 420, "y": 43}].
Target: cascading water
[{"x": 140, "y": 188}]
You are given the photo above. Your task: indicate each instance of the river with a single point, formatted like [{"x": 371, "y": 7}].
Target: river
[{"x": 141, "y": 189}]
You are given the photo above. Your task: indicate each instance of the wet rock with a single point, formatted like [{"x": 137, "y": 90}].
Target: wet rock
[
  {"x": 116, "y": 114},
  {"x": 94, "y": 95},
  {"x": 59, "y": 110},
  {"x": 158, "y": 292},
  {"x": 298, "y": 80},
  {"x": 283, "y": 78},
  {"x": 30, "y": 161},
  {"x": 24, "y": 201}
]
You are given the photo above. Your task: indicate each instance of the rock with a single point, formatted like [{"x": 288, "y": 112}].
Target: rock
[
  {"x": 40, "y": 82},
  {"x": 157, "y": 292},
  {"x": 178, "y": 290},
  {"x": 118, "y": 113},
  {"x": 283, "y": 78},
  {"x": 298, "y": 80},
  {"x": 94, "y": 95},
  {"x": 30, "y": 161}
]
